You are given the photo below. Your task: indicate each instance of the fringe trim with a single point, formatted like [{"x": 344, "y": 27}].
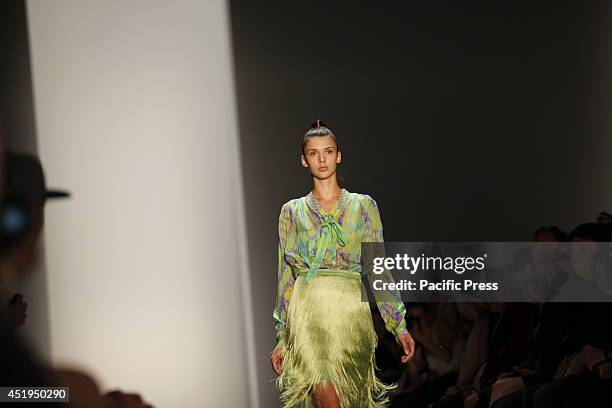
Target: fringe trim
[{"x": 349, "y": 349}]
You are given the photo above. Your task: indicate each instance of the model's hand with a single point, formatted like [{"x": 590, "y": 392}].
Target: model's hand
[
  {"x": 407, "y": 343},
  {"x": 276, "y": 358}
]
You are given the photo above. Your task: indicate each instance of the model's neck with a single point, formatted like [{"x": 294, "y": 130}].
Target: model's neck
[{"x": 326, "y": 189}]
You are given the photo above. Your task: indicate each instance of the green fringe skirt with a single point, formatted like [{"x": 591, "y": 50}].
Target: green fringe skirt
[{"x": 330, "y": 337}]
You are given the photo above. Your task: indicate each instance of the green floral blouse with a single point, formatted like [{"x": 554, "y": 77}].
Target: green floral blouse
[{"x": 310, "y": 238}]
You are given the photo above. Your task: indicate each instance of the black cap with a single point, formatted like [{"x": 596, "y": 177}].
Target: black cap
[
  {"x": 24, "y": 191},
  {"x": 25, "y": 180}
]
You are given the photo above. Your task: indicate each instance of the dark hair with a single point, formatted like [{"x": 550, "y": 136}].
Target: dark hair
[
  {"x": 604, "y": 218},
  {"x": 318, "y": 129},
  {"x": 423, "y": 305},
  {"x": 592, "y": 231},
  {"x": 556, "y": 232}
]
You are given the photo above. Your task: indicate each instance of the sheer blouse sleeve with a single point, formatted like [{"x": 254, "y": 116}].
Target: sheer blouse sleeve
[
  {"x": 392, "y": 311},
  {"x": 287, "y": 239}
]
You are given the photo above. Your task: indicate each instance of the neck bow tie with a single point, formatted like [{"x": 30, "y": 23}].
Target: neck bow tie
[{"x": 329, "y": 233}]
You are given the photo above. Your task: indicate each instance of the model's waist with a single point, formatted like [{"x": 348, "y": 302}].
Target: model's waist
[{"x": 331, "y": 272}]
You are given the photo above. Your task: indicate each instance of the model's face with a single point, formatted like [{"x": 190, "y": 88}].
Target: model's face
[
  {"x": 544, "y": 254},
  {"x": 321, "y": 156}
]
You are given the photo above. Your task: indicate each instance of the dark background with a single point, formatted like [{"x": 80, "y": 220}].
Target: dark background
[
  {"x": 16, "y": 100},
  {"x": 478, "y": 122}
]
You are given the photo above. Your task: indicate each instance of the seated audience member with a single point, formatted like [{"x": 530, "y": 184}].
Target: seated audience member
[
  {"x": 505, "y": 344},
  {"x": 547, "y": 267},
  {"x": 583, "y": 377},
  {"x": 474, "y": 355},
  {"x": 542, "y": 360},
  {"x": 438, "y": 333},
  {"x": 576, "y": 340},
  {"x": 590, "y": 261},
  {"x": 556, "y": 332}
]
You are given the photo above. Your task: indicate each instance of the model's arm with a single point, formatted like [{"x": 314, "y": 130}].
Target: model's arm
[
  {"x": 287, "y": 239},
  {"x": 392, "y": 309}
]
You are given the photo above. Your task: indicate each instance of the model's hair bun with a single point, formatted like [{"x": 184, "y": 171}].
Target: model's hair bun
[
  {"x": 316, "y": 124},
  {"x": 318, "y": 128}
]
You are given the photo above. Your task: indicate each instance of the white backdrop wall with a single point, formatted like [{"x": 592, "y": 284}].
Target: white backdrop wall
[{"x": 136, "y": 116}]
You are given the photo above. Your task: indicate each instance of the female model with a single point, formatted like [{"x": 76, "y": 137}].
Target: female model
[{"x": 324, "y": 331}]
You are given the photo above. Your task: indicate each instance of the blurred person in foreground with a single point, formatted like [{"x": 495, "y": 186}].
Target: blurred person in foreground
[{"x": 21, "y": 221}]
